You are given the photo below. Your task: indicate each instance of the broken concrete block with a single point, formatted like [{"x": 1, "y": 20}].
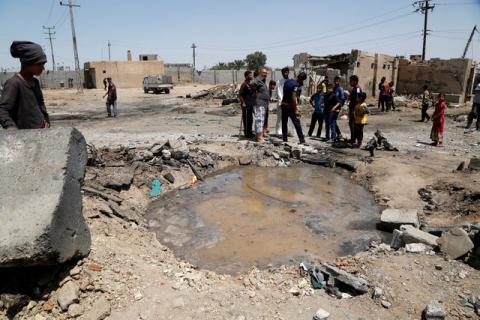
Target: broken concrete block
[
  {"x": 394, "y": 218},
  {"x": 397, "y": 240},
  {"x": 41, "y": 206},
  {"x": 434, "y": 311},
  {"x": 67, "y": 295},
  {"x": 455, "y": 243},
  {"x": 413, "y": 235},
  {"x": 474, "y": 164},
  {"x": 417, "y": 247},
  {"x": 335, "y": 275},
  {"x": 100, "y": 310}
]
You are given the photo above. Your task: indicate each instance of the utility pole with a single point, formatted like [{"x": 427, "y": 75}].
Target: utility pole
[
  {"x": 424, "y": 6},
  {"x": 50, "y": 34},
  {"x": 469, "y": 41},
  {"x": 109, "y": 45},
  {"x": 75, "y": 50},
  {"x": 193, "y": 70}
]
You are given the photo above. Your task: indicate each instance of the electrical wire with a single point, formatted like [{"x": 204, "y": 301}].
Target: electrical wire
[
  {"x": 50, "y": 12},
  {"x": 316, "y": 36}
]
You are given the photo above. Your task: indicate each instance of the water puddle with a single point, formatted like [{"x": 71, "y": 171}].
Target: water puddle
[{"x": 260, "y": 216}]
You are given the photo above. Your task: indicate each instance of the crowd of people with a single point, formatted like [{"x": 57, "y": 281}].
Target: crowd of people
[
  {"x": 327, "y": 103},
  {"x": 22, "y": 104}
]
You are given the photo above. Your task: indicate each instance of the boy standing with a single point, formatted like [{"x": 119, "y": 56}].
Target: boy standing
[
  {"x": 111, "y": 98},
  {"x": 331, "y": 104},
  {"x": 316, "y": 101},
  {"x": 426, "y": 102},
  {"x": 361, "y": 118},
  {"x": 247, "y": 101},
  {"x": 289, "y": 106}
]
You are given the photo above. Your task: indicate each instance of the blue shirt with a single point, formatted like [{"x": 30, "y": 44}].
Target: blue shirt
[
  {"x": 289, "y": 88},
  {"x": 340, "y": 94},
  {"x": 317, "y": 100}
]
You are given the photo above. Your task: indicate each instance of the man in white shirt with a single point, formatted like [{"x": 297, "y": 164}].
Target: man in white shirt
[{"x": 280, "y": 83}]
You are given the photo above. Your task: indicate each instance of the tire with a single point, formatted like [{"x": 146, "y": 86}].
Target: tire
[
  {"x": 145, "y": 90},
  {"x": 167, "y": 91}
]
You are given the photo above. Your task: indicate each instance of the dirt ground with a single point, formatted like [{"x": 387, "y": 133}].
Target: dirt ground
[{"x": 136, "y": 277}]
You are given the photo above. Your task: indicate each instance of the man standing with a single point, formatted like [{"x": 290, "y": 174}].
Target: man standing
[
  {"x": 111, "y": 98},
  {"x": 338, "y": 89},
  {"x": 289, "y": 106},
  {"x": 475, "y": 109},
  {"x": 354, "y": 92},
  {"x": 262, "y": 97},
  {"x": 280, "y": 84},
  {"x": 381, "y": 88},
  {"x": 22, "y": 105},
  {"x": 247, "y": 102}
]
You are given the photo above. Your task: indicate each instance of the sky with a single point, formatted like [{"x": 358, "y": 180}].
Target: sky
[{"x": 224, "y": 30}]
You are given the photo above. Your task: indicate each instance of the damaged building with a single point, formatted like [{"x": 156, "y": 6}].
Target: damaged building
[
  {"x": 454, "y": 77},
  {"x": 126, "y": 74}
]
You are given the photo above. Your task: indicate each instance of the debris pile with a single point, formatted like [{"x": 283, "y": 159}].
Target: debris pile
[
  {"x": 379, "y": 142},
  {"x": 223, "y": 92}
]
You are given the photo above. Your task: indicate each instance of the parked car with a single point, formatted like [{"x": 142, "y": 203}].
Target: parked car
[{"x": 157, "y": 84}]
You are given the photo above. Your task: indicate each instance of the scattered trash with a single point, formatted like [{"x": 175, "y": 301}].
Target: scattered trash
[{"x": 156, "y": 188}]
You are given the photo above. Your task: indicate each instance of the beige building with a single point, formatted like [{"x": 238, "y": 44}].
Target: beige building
[{"x": 125, "y": 74}]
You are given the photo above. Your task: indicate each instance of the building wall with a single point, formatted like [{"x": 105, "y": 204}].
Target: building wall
[
  {"x": 448, "y": 76},
  {"x": 371, "y": 67},
  {"x": 125, "y": 74},
  {"x": 50, "y": 80}
]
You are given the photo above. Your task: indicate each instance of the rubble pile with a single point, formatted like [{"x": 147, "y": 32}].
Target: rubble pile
[{"x": 222, "y": 92}]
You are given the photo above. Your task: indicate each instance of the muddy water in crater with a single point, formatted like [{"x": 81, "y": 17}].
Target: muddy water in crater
[{"x": 260, "y": 216}]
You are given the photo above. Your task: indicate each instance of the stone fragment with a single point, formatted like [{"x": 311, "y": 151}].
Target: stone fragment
[
  {"x": 100, "y": 310},
  {"x": 41, "y": 172},
  {"x": 397, "y": 239},
  {"x": 178, "y": 303},
  {"x": 394, "y": 218},
  {"x": 67, "y": 295},
  {"x": 474, "y": 164},
  {"x": 411, "y": 234},
  {"x": 169, "y": 177},
  {"x": 321, "y": 314},
  {"x": 156, "y": 149},
  {"x": 244, "y": 160},
  {"x": 455, "y": 243},
  {"x": 276, "y": 156},
  {"x": 377, "y": 293},
  {"x": 104, "y": 195},
  {"x": 13, "y": 303},
  {"x": 386, "y": 304},
  {"x": 296, "y": 153},
  {"x": 75, "y": 310},
  {"x": 417, "y": 248},
  {"x": 434, "y": 311},
  {"x": 166, "y": 154},
  {"x": 143, "y": 155},
  {"x": 116, "y": 178}
]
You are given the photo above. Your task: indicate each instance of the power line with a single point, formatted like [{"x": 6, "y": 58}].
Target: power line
[
  {"x": 50, "y": 34},
  {"x": 74, "y": 38},
  {"x": 316, "y": 36},
  {"x": 50, "y": 12}
]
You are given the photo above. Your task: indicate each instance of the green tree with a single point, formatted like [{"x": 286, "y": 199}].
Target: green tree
[
  {"x": 220, "y": 66},
  {"x": 256, "y": 60},
  {"x": 237, "y": 64}
]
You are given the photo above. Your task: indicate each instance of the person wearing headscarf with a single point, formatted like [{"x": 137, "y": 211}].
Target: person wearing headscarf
[{"x": 21, "y": 104}]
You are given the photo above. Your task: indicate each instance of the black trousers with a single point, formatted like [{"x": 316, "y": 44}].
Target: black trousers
[
  {"x": 265, "y": 123},
  {"x": 351, "y": 124},
  {"x": 424, "y": 112},
  {"x": 291, "y": 113},
  {"x": 475, "y": 113},
  {"x": 359, "y": 133},
  {"x": 247, "y": 114},
  {"x": 383, "y": 102},
  {"x": 316, "y": 117}
]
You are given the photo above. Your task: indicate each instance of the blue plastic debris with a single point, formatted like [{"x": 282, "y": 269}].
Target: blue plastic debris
[{"x": 156, "y": 188}]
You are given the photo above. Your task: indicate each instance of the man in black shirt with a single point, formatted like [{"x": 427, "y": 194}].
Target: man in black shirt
[
  {"x": 111, "y": 98},
  {"x": 354, "y": 92},
  {"x": 247, "y": 101}
]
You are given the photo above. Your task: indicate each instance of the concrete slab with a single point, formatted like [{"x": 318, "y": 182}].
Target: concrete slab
[
  {"x": 41, "y": 206},
  {"x": 411, "y": 234},
  {"x": 393, "y": 218}
]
